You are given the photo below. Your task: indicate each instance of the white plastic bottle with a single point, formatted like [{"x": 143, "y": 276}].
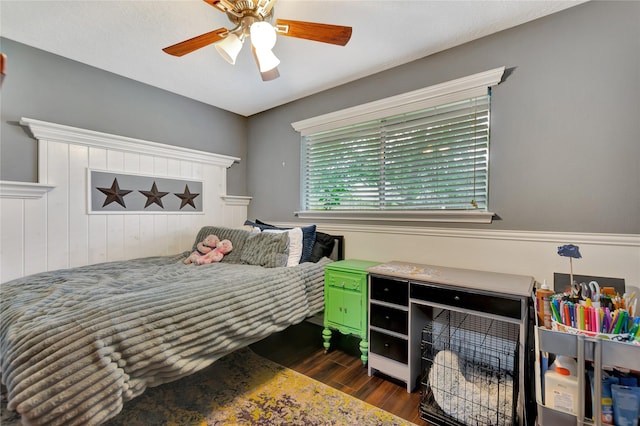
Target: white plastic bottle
[{"x": 561, "y": 385}]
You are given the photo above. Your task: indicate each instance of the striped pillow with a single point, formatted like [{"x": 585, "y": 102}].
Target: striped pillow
[{"x": 266, "y": 249}]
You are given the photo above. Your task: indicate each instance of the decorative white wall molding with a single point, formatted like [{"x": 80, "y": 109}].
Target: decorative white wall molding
[
  {"x": 23, "y": 190},
  {"x": 517, "y": 252},
  {"x": 629, "y": 240},
  {"x": 236, "y": 200},
  {"x": 48, "y": 226},
  {"x": 236, "y": 207},
  {"x": 624, "y": 240},
  {"x": 53, "y": 132}
]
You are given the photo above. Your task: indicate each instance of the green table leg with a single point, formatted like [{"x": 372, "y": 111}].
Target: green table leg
[
  {"x": 326, "y": 336},
  {"x": 364, "y": 349}
]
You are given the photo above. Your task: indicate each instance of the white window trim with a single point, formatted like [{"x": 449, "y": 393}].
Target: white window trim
[{"x": 450, "y": 91}]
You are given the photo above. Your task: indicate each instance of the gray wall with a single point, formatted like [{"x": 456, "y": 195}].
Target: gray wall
[
  {"x": 565, "y": 142},
  {"x": 48, "y": 87},
  {"x": 565, "y": 147}
]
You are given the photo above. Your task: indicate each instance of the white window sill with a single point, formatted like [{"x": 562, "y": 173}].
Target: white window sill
[{"x": 458, "y": 216}]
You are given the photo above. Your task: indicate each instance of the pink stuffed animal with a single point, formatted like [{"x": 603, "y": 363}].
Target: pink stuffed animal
[
  {"x": 223, "y": 247},
  {"x": 203, "y": 248}
]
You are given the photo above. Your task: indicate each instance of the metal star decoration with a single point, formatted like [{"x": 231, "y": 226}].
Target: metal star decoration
[
  {"x": 153, "y": 196},
  {"x": 187, "y": 197},
  {"x": 114, "y": 194}
]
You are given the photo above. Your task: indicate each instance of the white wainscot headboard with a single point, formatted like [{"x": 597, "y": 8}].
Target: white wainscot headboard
[{"x": 46, "y": 225}]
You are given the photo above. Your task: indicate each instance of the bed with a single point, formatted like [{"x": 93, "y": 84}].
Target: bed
[{"x": 75, "y": 344}]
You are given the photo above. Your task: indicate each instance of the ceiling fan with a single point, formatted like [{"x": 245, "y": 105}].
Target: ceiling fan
[{"x": 252, "y": 19}]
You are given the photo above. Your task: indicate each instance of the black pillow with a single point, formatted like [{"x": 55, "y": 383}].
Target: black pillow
[
  {"x": 249, "y": 223},
  {"x": 323, "y": 246}
]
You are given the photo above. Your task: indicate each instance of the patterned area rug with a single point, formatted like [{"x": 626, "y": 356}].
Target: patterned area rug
[{"x": 244, "y": 388}]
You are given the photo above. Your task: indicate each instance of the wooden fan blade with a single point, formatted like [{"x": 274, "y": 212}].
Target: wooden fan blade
[
  {"x": 195, "y": 43},
  {"x": 3, "y": 60},
  {"x": 325, "y": 33}
]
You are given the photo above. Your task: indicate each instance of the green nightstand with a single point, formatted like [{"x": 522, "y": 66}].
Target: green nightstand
[{"x": 345, "y": 301}]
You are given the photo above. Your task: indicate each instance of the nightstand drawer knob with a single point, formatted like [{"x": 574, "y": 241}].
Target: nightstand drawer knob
[
  {"x": 386, "y": 289},
  {"x": 456, "y": 298}
]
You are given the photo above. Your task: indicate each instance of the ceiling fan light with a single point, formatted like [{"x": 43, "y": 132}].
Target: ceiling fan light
[
  {"x": 266, "y": 59},
  {"x": 263, "y": 35},
  {"x": 229, "y": 47},
  {"x": 270, "y": 75}
]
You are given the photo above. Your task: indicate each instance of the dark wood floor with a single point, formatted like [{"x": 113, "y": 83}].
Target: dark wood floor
[{"x": 299, "y": 348}]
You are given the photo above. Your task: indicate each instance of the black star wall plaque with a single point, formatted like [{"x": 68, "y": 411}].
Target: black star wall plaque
[
  {"x": 114, "y": 194},
  {"x": 143, "y": 193},
  {"x": 187, "y": 197},
  {"x": 154, "y": 196}
]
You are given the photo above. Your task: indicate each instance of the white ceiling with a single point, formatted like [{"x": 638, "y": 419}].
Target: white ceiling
[{"x": 126, "y": 38}]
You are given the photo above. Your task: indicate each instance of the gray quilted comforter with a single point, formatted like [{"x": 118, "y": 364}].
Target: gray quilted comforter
[{"x": 76, "y": 344}]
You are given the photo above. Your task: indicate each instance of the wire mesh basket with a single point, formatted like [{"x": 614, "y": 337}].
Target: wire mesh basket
[{"x": 469, "y": 369}]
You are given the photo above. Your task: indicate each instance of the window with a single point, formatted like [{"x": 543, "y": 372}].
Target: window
[{"x": 415, "y": 156}]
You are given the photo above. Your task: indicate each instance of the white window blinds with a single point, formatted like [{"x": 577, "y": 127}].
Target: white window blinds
[{"x": 431, "y": 159}]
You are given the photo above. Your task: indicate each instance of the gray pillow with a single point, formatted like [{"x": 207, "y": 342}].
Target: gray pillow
[
  {"x": 266, "y": 249},
  {"x": 238, "y": 237}
]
